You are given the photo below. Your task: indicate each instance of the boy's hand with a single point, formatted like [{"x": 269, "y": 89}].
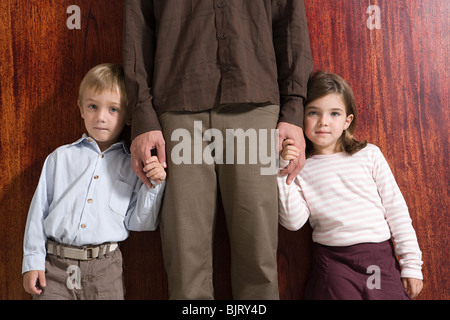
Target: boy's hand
[
  {"x": 154, "y": 170},
  {"x": 34, "y": 281},
  {"x": 290, "y": 152},
  {"x": 141, "y": 148},
  {"x": 412, "y": 286}
]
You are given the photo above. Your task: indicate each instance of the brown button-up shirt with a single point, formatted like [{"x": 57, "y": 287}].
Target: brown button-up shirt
[{"x": 193, "y": 55}]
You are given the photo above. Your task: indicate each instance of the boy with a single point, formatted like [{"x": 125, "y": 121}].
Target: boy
[{"x": 87, "y": 200}]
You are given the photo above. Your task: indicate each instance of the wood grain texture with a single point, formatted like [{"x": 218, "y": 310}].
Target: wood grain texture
[{"x": 399, "y": 74}]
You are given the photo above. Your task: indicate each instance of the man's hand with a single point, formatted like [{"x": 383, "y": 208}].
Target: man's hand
[
  {"x": 34, "y": 281},
  {"x": 291, "y": 131},
  {"x": 141, "y": 151}
]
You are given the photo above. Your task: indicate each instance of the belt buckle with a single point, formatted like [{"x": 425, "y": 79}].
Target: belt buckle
[{"x": 92, "y": 251}]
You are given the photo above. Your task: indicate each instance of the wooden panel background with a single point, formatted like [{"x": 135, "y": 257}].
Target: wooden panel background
[{"x": 399, "y": 74}]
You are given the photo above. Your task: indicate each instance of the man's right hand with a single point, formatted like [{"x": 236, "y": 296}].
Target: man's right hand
[{"x": 141, "y": 151}]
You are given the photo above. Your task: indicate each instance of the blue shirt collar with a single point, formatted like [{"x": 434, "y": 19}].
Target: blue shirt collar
[{"x": 88, "y": 139}]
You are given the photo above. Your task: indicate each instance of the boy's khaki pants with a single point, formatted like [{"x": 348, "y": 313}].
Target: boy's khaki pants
[
  {"x": 249, "y": 198},
  {"x": 97, "y": 279}
]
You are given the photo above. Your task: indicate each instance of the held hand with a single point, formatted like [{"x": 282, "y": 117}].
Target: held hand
[
  {"x": 141, "y": 150},
  {"x": 290, "y": 152},
  {"x": 34, "y": 281},
  {"x": 290, "y": 131},
  {"x": 154, "y": 170},
  {"x": 412, "y": 286}
]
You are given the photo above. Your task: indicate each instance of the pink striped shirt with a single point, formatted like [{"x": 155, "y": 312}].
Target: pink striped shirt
[{"x": 351, "y": 199}]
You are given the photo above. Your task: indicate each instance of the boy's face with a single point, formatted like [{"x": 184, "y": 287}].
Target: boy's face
[{"x": 104, "y": 116}]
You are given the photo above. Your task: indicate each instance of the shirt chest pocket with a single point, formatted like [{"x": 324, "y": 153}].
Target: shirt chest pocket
[{"x": 120, "y": 197}]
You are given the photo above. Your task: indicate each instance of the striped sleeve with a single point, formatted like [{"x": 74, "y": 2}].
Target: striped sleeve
[
  {"x": 292, "y": 208},
  {"x": 398, "y": 219}
]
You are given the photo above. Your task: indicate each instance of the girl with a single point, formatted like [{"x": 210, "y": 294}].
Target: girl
[{"x": 353, "y": 203}]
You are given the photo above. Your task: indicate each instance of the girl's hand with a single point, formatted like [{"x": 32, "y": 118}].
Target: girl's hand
[
  {"x": 290, "y": 152},
  {"x": 412, "y": 286},
  {"x": 154, "y": 170}
]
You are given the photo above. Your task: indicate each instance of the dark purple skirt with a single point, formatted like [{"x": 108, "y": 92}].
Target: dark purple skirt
[{"x": 366, "y": 271}]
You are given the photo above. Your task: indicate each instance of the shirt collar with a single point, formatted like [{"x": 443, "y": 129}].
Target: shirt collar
[{"x": 88, "y": 139}]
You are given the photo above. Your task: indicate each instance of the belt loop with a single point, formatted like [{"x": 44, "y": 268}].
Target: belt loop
[
  {"x": 55, "y": 248},
  {"x": 101, "y": 252},
  {"x": 61, "y": 251},
  {"x": 108, "y": 252}
]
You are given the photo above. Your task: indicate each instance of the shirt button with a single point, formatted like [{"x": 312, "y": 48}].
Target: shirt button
[
  {"x": 226, "y": 69},
  {"x": 222, "y": 37},
  {"x": 83, "y": 226},
  {"x": 89, "y": 201},
  {"x": 220, "y": 5},
  {"x": 95, "y": 177},
  {"x": 102, "y": 155},
  {"x": 90, "y": 140}
]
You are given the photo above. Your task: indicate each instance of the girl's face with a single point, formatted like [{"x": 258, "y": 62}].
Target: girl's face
[{"x": 325, "y": 120}]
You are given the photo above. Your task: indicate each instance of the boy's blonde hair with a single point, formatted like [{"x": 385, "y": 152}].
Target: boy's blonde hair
[
  {"x": 106, "y": 76},
  {"x": 323, "y": 83}
]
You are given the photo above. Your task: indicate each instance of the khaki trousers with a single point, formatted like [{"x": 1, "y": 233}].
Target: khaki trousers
[
  {"x": 96, "y": 279},
  {"x": 190, "y": 203}
]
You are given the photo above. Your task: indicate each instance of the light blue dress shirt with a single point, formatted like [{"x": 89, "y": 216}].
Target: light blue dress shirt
[{"x": 87, "y": 197}]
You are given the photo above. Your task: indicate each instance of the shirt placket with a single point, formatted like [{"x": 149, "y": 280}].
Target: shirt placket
[
  {"x": 90, "y": 198},
  {"x": 222, "y": 36}
]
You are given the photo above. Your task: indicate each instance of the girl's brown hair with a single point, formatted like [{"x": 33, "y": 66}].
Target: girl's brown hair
[{"x": 323, "y": 83}]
